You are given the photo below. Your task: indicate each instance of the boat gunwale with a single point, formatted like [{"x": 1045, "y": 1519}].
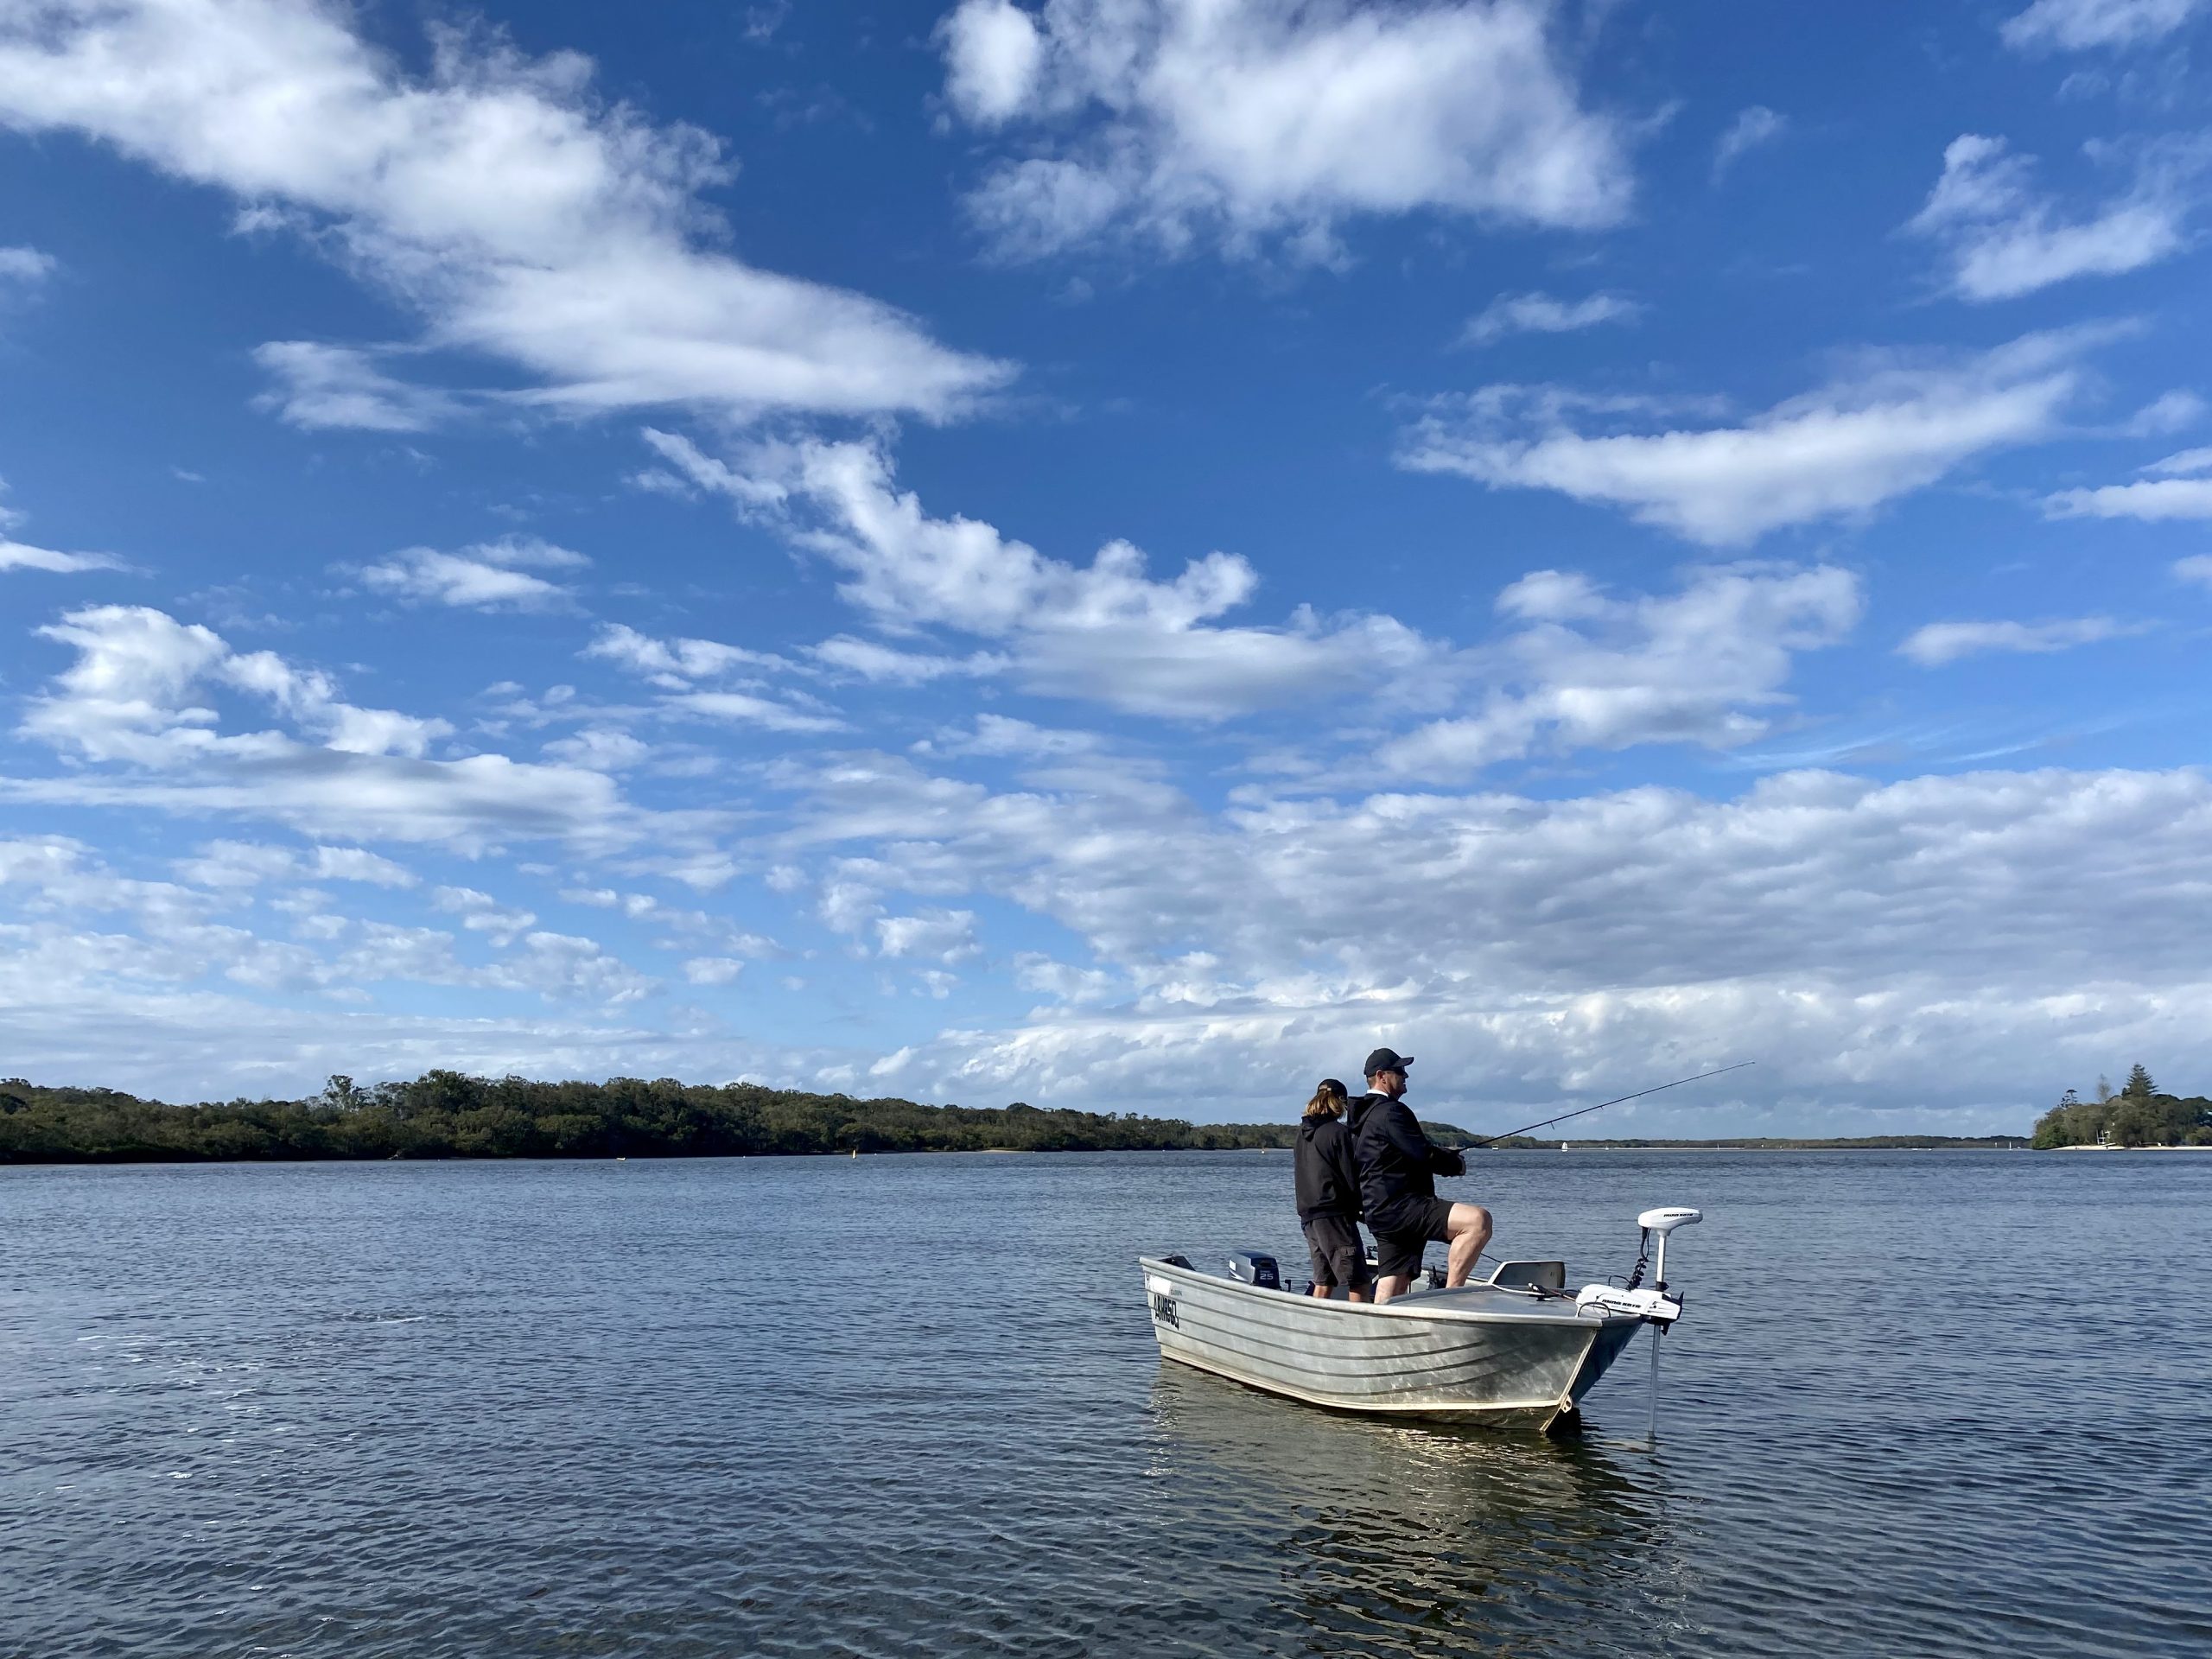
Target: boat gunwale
[{"x": 1393, "y": 1308}]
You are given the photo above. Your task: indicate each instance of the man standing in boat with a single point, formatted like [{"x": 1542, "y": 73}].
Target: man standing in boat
[{"x": 1398, "y": 1167}]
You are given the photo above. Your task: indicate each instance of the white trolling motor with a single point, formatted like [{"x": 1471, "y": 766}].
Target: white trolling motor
[{"x": 1657, "y": 1306}]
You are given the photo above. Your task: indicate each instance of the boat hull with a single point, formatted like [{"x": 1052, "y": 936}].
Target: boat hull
[{"x": 1474, "y": 1353}]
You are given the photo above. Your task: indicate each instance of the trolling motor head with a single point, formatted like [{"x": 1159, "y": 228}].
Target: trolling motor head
[
  {"x": 1664, "y": 1222},
  {"x": 1658, "y": 1304}
]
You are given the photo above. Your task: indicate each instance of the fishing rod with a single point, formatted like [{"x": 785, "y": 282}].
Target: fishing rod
[{"x": 1544, "y": 1123}]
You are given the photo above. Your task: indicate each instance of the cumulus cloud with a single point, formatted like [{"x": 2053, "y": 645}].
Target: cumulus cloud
[
  {"x": 523, "y": 218},
  {"x": 1586, "y": 670},
  {"x": 490, "y": 576},
  {"x": 1171, "y": 121},
  {"x": 1939, "y": 643},
  {"x": 2079, "y": 25},
  {"x": 1749, "y": 131},
  {"x": 1843, "y": 449},
  {"x": 2004, "y": 238},
  {"x": 1107, "y": 631},
  {"x": 141, "y": 708},
  {"x": 1541, "y": 313},
  {"x": 946, "y": 935},
  {"x": 1837, "y": 929}
]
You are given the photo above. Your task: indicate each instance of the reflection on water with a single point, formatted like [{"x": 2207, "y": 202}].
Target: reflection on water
[{"x": 1379, "y": 1533}]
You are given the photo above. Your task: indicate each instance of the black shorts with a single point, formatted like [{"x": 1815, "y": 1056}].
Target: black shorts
[
  {"x": 1403, "y": 1232},
  {"x": 1338, "y": 1256}
]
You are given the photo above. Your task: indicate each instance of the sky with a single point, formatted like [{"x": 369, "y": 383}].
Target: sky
[{"x": 1111, "y": 553}]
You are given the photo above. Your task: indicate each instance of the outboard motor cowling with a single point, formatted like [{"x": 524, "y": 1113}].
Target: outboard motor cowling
[{"x": 1252, "y": 1268}]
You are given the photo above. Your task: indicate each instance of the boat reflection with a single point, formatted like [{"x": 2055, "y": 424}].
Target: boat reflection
[{"x": 1385, "y": 1537}]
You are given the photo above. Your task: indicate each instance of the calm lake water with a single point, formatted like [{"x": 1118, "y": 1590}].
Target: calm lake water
[{"x": 1921, "y": 1404}]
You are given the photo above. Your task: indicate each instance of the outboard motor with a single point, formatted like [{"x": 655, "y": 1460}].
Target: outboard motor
[{"x": 1251, "y": 1267}]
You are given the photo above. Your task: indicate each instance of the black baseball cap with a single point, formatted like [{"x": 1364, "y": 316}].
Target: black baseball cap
[{"x": 1387, "y": 1059}]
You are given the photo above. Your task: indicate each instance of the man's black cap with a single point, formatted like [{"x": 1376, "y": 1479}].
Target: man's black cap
[{"x": 1388, "y": 1060}]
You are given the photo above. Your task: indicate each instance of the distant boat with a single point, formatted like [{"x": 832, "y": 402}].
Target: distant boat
[{"x": 1518, "y": 1347}]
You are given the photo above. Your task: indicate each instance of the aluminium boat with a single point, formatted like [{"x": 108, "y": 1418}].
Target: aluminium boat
[{"x": 1518, "y": 1346}]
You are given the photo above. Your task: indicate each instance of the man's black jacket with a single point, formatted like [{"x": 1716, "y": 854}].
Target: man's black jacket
[
  {"x": 1328, "y": 1175},
  {"x": 1396, "y": 1160}
]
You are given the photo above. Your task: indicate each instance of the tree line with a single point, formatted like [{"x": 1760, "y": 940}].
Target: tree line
[
  {"x": 450, "y": 1114},
  {"x": 2141, "y": 1114}
]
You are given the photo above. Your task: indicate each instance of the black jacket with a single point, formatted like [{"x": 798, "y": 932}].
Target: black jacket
[
  {"x": 1328, "y": 1175},
  {"x": 1396, "y": 1160}
]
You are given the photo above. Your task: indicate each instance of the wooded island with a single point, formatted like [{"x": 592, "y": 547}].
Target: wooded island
[{"x": 2141, "y": 1114}]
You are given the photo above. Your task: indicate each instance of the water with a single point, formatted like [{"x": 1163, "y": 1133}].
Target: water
[{"x": 1922, "y": 1403}]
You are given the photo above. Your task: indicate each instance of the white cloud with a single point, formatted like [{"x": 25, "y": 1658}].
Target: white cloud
[
  {"x": 713, "y": 970},
  {"x": 871, "y": 660},
  {"x": 673, "y": 664},
  {"x": 743, "y": 709},
  {"x": 523, "y": 218},
  {"x": 1939, "y": 643},
  {"x": 1838, "y": 930},
  {"x": 1107, "y": 631},
  {"x": 2197, "y": 568},
  {"x": 2004, "y": 239},
  {"x": 2166, "y": 498},
  {"x": 1541, "y": 314},
  {"x": 601, "y": 748},
  {"x": 2079, "y": 25},
  {"x": 321, "y": 387},
  {"x": 240, "y": 864},
  {"x": 1588, "y": 670},
  {"x": 1002, "y": 735},
  {"x": 18, "y": 555},
  {"x": 28, "y": 268},
  {"x": 2182, "y": 463},
  {"x": 1754, "y": 127},
  {"x": 485, "y": 578},
  {"x": 1841, "y": 450},
  {"x": 482, "y": 914},
  {"x": 138, "y": 707},
  {"x": 1172, "y": 120},
  {"x": 946, "y": 935}
]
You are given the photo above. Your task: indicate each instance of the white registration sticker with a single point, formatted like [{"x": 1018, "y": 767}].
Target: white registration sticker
[{"x": 1158, "y": 1286}]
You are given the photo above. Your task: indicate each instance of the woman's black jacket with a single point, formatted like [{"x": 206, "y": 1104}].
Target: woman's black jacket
[{"x": 1328, "y": 1179}]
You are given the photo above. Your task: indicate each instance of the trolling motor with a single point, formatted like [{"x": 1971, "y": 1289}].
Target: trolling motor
[{"x": 1657, "y": 1306}]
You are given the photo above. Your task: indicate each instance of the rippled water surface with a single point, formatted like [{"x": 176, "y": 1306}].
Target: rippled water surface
[{"x": 1921, "y": 1404}]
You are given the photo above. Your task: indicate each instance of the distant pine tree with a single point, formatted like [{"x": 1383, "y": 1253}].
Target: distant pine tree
[{"x": 2139, "y": 1086}]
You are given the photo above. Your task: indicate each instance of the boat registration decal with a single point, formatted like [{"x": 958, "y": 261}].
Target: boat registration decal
[
  {"x": 1158, "y": 1286},
  {"x": 1163, "y": 1311}
]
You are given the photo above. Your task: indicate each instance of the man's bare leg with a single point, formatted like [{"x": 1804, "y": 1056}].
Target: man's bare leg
[
  {"x": 1470, "y": 1228},
  {"x": 1394, "y": 1284},
  {"x": 1321, "y": 1292}
]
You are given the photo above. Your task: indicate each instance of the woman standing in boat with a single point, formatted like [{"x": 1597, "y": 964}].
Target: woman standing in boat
[{"x": 1328, "y": 1195}]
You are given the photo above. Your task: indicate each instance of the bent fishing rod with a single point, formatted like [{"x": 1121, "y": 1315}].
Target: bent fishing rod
[{"x": 1488, "y": 1140}]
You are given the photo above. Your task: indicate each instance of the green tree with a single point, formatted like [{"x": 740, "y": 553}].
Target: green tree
[{"x": 2139, "y": 1085}]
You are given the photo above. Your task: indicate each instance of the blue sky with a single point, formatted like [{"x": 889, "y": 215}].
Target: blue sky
[{"x": 1113, "y": 553}]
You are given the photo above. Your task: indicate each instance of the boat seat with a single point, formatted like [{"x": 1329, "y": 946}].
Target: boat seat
[{"x": 1538, "y": 1276}]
